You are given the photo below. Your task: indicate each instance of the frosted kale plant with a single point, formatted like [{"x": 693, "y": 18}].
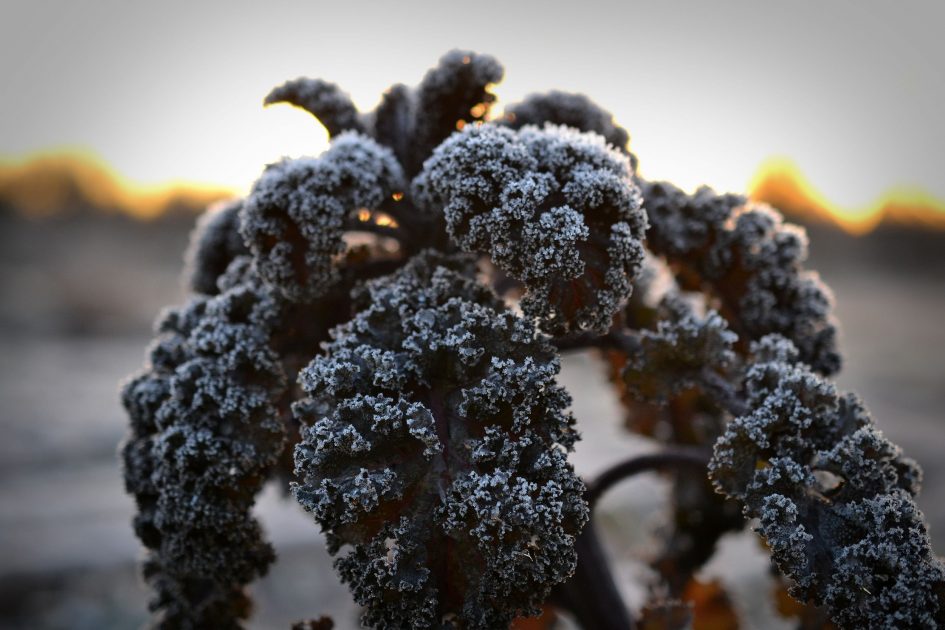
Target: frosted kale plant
[{"x": 379, "y": 329}]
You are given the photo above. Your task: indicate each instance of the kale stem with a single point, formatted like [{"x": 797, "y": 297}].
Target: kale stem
[
  {"x": 613, "y": 340},
  {"x": 591, "y": 594},
  {"x": 695, "y": 459}
]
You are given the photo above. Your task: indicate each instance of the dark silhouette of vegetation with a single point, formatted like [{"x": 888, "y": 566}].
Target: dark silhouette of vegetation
[{"x": 380, "y": 328}]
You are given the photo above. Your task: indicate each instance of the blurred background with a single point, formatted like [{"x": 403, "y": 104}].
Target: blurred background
[{"x": 120, "y": 122}]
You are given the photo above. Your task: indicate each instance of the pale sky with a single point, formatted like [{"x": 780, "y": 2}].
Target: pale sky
[{"x": 851, "y": 91}]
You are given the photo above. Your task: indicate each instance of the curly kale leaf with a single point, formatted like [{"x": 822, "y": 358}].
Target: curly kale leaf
[
  {"x": 205, "y": 432},
  {"x": 323, "y": 100},
  {"x": 833, "y": 496},
  {"x": 684, "y": 352},
  {"x": 434, "y": 450},
  {"x": 554, "y": 208},
  {"x": 454, "y": 93},
  {"x": 411, "y": 122},
  {"x": 214, "y": 243},
  {"x": 751, "y": 261},
  {"x": 294, "y": 218},
  {"x": 568, "y": 110},
  {"x": 679, "y": 380}
]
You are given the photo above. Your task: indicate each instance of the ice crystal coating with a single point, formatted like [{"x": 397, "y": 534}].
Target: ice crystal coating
[
  {"x": 685, "y": 351},
  {"x": 455, "y": 90},
  {"x": 751, "y": 261},
  {"x": 679, "y": 379},
  {"x": 411, "y": 122},
  {"x": 834, "y": 497},
  {"x": 204, "y": 432},
  {"x": 324, "y": 100},
  {"x": 553, "y": 207},
  {"x": 295, "y": 216},
  {"x": 568, "y": 110},
  {"x": 434, "y": 449},
  {"x": 214, "y": 243},
  {"x": 434, "y": 437}
]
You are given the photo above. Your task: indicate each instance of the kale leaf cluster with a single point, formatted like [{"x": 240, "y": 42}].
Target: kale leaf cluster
[
  {"x": 834, "y": 497},
  {"x": 205, "y": 433},
  {"x": 435, "y": 447},
  {"x": 555, "y": 208},
  {"x": 379, "y": 330},
  {"x": 750, "y": 261}
]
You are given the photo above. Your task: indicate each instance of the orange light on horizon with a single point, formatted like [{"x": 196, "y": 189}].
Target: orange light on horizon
[
  {"x": 780, "y": 183},
  {"x": 47, "y": 183}
]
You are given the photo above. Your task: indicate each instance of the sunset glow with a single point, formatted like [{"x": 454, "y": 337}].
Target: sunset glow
[
  {"x": 139, "y": 185},
  {"x": 781, "y": 183},
  {"x": 181, "y": 105},
  {"x": 45, "y": 184}
]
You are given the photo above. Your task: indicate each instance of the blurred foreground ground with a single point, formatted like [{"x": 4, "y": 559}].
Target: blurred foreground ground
[{"x": 77, "y": 298}]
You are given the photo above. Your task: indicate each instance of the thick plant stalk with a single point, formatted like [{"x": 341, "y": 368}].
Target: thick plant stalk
[
  {"x": 692, "y": 459},
  {"x": 591, "y": 594}
]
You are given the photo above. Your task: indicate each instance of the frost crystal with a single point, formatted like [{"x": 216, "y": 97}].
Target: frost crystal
[
  {"x": 568, "y": 110},
  {"x": 324, "y": 100},
  {"x": 342, "y": 332},
  {"x": 411, "y": 122},
  {"x": 834, "y": 498},
  {"x": 685, "y": 351},
  {"x": 294, "y": 219},
  {"x": 751, "y": 261},
  {"x": 214, "y": 243},
  {"x": 434, "y": 447},
  {"x": 205, "y": 432},
  {"x": 554, "y": 208}
]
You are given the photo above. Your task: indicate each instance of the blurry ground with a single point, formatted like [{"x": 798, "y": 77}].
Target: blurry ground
[{"x": 77, "y": 296}]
